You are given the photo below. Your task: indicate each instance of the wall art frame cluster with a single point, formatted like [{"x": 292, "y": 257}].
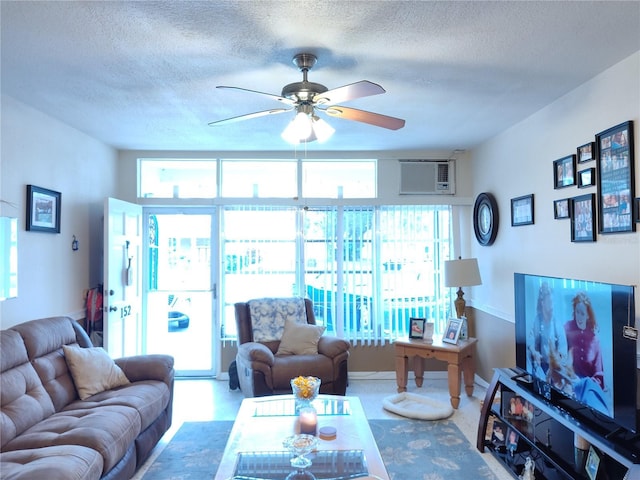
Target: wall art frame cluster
[{"x": 614, "y": 208}]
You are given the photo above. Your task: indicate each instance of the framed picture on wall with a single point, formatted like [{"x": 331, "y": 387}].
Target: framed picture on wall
[
  {"x": 583, "y": 220},
  {"x": 43, "y": 209},
  {"x": 561, "y": 208},
  {"x": 587, "y": 178},
  {"x": 586, "y": 152},
  {"x": 522, "y": 210},
  {"x": 616, "y": 188},
  {"x": 564, "y": 172}
]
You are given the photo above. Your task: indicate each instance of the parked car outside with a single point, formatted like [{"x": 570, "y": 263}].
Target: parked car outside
[{"x": 178, "y": 318}]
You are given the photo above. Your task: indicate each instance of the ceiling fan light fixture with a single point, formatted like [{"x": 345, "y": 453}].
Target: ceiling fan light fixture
[
  {"x": 322, "y": 129},
  {"x": 299, "y": 129},
  {"x": 306, "y": 96}
]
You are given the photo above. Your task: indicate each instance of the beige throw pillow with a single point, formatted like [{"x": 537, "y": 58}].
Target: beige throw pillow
[
  {"x": 93, "y": 370},
  {"x": 300, "y": 339}
]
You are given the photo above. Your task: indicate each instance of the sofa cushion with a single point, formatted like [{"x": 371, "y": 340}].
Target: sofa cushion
[
  {"x": 44, "y": 339},
  {"x": 93, "y": 370},
  {"x": 149, "y": 398},
  {"x": 300, "y": 339},
  {"x": 46, "y": 335},
  {"x": 23, "y": 399},
  {"x": 268, "y": 316},
  {"x": 65, "y": 462},
  {"x": 109, "y": 430}
]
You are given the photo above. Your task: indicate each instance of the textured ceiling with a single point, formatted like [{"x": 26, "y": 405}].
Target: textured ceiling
[{"x": 142, "y": 74}]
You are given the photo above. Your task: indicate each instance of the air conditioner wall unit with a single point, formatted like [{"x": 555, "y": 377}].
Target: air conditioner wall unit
[{"x": 427, "y": 177}]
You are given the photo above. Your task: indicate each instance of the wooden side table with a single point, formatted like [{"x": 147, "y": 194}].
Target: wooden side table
[{"x": 460, "y": 359}]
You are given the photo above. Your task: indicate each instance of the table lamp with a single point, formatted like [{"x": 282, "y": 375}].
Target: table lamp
[{"x": 461, "y": 273}]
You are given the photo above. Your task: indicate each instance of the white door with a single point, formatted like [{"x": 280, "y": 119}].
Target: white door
[
  {"x": 122, "y": 278},
  {"x": 179, "y": 296}
]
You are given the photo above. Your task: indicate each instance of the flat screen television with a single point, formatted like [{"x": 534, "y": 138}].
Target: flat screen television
[{"x": 573, "y": 340}]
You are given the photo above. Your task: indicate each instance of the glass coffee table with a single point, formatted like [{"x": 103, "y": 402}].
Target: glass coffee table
[{"x": 255, "y": 451}]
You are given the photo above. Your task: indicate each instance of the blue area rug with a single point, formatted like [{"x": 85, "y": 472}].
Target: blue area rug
[{"x": 411, "y": 450}]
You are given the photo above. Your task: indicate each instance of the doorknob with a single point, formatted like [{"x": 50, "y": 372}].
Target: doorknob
[{"x": 113, "y": 308}]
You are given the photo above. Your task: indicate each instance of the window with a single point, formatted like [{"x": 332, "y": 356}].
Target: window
[
  {"x": 259, "y": 178},
  {"x": 339, "y": 179},
  {"x": 366, "y": 269},
  {"x": 166, "y": 178},
  {"x": 258, "y": 247}
]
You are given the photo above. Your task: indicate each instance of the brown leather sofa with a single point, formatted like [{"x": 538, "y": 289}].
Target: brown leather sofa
[
  {"x": 48, "y": 432},
  {"x": 262, "y": 371}
]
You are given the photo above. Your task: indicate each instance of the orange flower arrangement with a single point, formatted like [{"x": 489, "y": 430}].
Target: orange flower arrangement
[{"x": 305, "y": 388}]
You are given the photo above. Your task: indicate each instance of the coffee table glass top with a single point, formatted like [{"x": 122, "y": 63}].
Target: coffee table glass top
[
  {"x": 327, "y": 464},
  {"x": 263, "y": 423},
  {"x": 288, "y": 407}
]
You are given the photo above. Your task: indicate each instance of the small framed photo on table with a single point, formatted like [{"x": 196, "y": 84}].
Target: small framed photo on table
[
  {"x": 452, "y": 332},
  {"x": 416, "y": 328},
  {"x": 512, "y": 441},
  {"x": 592, "y": 467}
]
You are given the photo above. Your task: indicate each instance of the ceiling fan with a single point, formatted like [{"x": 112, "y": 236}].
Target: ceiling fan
[{"x": 308, "y": 98}]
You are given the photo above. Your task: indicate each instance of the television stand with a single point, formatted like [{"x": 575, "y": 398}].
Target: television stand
[
  {"x": 523, "y": 377},
  {"x": 517, "y": 423}
]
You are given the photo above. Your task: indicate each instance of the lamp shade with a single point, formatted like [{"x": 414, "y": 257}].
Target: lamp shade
[{"x": 461, "y": 273}]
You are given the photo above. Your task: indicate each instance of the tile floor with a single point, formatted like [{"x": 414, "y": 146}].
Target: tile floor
[{"x": 207, "y": 399}]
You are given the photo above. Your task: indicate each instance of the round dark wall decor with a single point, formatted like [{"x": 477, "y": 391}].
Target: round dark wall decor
[{"x": 485, "y": 219}]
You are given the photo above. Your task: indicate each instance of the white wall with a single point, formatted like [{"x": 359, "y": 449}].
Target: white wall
[
  {"x": 39, "y": 150},
  {"x": 519, "y": 162}
]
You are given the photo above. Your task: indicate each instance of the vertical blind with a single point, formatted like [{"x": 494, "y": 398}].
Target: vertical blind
[{"x": 367, "y": 269}]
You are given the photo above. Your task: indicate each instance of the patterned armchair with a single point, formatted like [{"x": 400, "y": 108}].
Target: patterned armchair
[{"x": 278, "y": 339}]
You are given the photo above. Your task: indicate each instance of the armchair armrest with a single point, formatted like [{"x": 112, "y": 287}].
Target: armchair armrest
[
  {"x": 332, "y": 346},
  {"x": 147, "y": 367},
  {"x": 255, "y": 352}
]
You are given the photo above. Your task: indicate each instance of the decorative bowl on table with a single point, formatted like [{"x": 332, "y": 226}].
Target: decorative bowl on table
[
  {"x": 305, "y": 389},
  {"x": 300, "y": 445}
]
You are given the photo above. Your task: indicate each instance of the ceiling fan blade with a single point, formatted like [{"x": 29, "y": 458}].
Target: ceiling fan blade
[
  {"x": 278, "y": 98},
  {"x": 249, "y": 116},
  {"x": 371, "y": 118},
  {"x": 364, "y": 88}
]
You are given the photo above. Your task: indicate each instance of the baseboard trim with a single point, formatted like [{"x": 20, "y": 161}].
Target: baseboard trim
[
  {"x": 391, "y": 375},
  {"x": 435, "y": 375}
]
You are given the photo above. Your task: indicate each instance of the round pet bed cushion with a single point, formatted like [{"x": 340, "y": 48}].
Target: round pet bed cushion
[{"x": 411, "y": 405}]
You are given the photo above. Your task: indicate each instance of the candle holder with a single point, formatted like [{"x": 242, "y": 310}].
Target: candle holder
[{"x": 308, "y": 420}]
